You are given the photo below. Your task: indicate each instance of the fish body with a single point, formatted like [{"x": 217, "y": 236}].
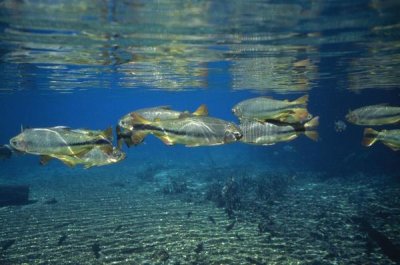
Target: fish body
[
  {"x": 265, "y": 108},
  {"x": 126, "y": 133},
  {"x": 190, "y": 131},
  {"x": 59, "y": 140},
  {"x": 159, "y": 113},
  {"x": 390, "y": 138},
  {"x": 269, "y": 133},
  {"x": 97, "y": 156},
  {"x": 380, "y": 114}
]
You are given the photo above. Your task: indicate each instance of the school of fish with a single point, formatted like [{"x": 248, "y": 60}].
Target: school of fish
[{"x": 262, "y": 121}]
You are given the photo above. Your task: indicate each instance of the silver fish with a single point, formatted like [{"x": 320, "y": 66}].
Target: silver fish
[
  {"x": 268, "y": 133},
  {"x": 59, "y": 140},
  {"x": 265, "y": 108},
  {"x": 380, "y": 114},
  {"x": 190, "y": 131}
]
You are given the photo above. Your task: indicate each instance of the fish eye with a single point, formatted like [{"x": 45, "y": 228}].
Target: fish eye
[{"x": 238, "y": 135}]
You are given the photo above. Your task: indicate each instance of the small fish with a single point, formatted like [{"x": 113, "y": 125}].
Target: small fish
[
  {"x": 265, "y": 108},
  {"x": 6, "y": 244},
  {"x": 59, "y": 140},
  {"x": 5, "y": 152},
  {"x": 268, "y": 133},
  {"x": 190, "y": 131},
  {"x": 390, "y": 138},
  {"x": 211, "y": 219},
  {"x": 96, "y": 250},
  {"x": 379, "y": 114},
  {"x": 340, "y": 126},
  {"x": 61, "y": 240},
  {"x": 230, "y": 226},
  {"x": 160, "y": 113}
]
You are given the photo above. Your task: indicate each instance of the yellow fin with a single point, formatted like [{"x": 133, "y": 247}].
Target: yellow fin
[
  {"x": 138, "y": 119},
  {"x": 313, "y": 135},
  {"x": 136, "y": 138},
  {"x": 108, "y": 133},
  {"x": 370, "y": 137},
  {"x": 165, "y": 139},
  {"x": 301, "y": 100},
  {"x": 314, "y": 122},
  {"x": 202, "y": 110}
]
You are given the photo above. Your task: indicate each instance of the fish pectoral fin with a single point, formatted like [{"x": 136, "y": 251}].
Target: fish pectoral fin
[
  {"x": 44, "y": 160},
  {"x": 202, "y": 110},
  {"x": 136, "y": 138}
]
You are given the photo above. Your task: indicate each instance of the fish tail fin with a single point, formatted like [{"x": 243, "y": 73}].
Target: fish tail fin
[
  {"x": 309, "y": 129},
  {"x": 202, "y": 110},
  {"x": 313, "y": 135},
  {"x": 370, "y": 137},
  {"x": 108, "y": 133},
  {"x": 120, "y": 138},
  {"x": 302, "y": 114},
  {"x": 301, "y": 100},
  {"x": 311, "y": 124},
  {"x": 138, "y": 119}
]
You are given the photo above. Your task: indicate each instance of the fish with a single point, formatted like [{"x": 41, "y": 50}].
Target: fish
[
  {"x": 126, "y": 134},
  {"x": 190, "y": 131},
  {"x": 5, "y": 152},
  {"x": 390, "y": 138},
  {"x": 59, "y": 140},
  {"x": 269, "y": 133},
  {"x": 160, "y": 113},
  {"x": 379, "y": 114},
  {"x": 266, "y": 108},
  {"x": 97, "y": 156}
]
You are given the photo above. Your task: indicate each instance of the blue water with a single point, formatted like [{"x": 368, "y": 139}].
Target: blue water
[{"x": 83, "y": 64}]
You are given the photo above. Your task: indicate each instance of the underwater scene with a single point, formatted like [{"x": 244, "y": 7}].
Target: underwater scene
[{"x": 199, "y": 132}]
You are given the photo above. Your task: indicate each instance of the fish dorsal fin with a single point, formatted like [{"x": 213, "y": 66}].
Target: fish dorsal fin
[
  {"x": 108, "y": 133},
  {"x": 22, "y": 128},
  {"x": 138, "y": 119},
  {"x": 166, "y": 107},
  {"x": 202, "y": 110},
  {"x": 380, "y": 105}
]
